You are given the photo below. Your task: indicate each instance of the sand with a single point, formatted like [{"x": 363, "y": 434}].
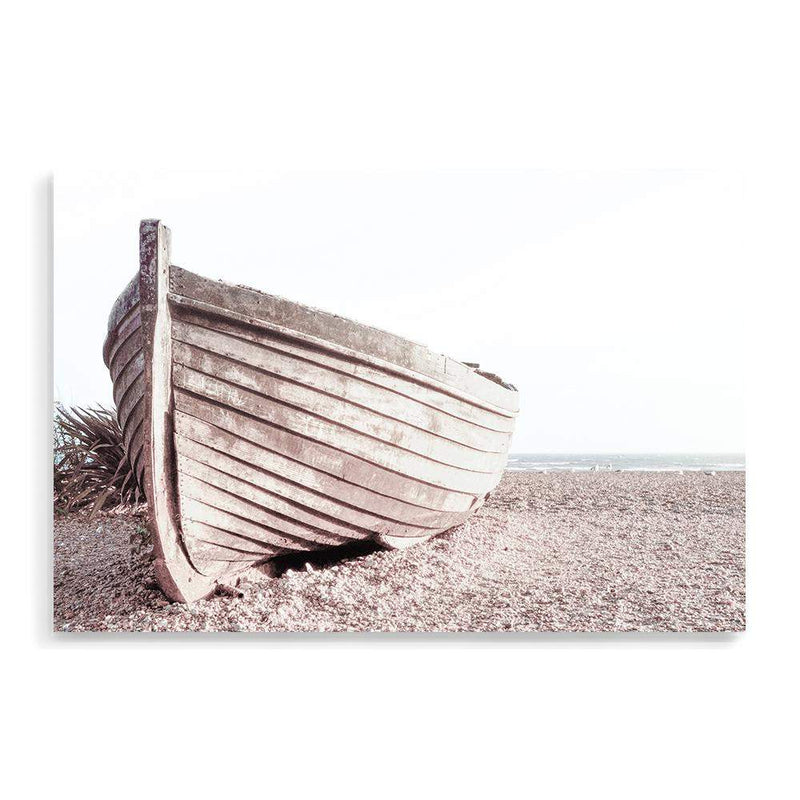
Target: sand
[{"x": 548, "y": 552}]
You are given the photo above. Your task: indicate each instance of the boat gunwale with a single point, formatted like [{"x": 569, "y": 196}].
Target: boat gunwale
[
  {"x": 177, "y": 273},
  {"x": 335, "y": 363},
  {"x": 377, "y": 362},
  {"x": 129, "y": 299}
]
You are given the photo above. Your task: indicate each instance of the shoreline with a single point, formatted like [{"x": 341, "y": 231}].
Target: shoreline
[{"x": 549, "y": 551}]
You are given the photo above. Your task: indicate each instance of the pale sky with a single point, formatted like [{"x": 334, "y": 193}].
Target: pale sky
[{"x": 613, "y": 301}]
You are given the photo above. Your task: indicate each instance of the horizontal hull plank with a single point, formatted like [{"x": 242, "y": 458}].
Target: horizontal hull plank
[
  {"x": 136, "y": 451},
  {"x": 231, "y": 501},
  {"x": 135, "y": 437},
  {"x": 131, "y": 322},
  {"x": 268, "y": 502},
  {"x": 220, "y": 563},
  {"x": 330, "y": 409},
  {"x": 244, "y": 528},
  {"x": 321, "y": 457},
  {"x": 283, "y": 497},
  {"x": 127, "y": 351},
  {"x": 337, "y": 332},
  {"x": 133, "y": 400},
  {"x": 194, "y": 328},
  {"x": 139, "y": 470},
  {"x": 303, "y": 482},
  {"x": 117, "y": 338},
  {"x": 366, "y": 396},
  {"x": 317, "y": 429},
  {"x": 199, "y": 532},
  {"x": 135, "y": 424},
  {"x": 128, "y": 378},
  {"x": 216, "y": 553}
]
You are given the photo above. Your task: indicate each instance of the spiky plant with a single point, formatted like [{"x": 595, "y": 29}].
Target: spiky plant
[{"x": 90, "y": 466}]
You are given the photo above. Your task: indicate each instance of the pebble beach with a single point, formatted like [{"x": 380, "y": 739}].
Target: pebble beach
[{"x": 605, "y": 551}]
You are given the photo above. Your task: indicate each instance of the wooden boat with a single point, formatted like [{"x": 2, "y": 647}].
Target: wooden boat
[{"x": 258, "y": 426}]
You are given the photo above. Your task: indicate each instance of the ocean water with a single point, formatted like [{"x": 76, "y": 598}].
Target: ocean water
[{"x": 626, "y": 462}]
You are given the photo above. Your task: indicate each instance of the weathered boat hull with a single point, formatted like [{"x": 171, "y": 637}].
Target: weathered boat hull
[{"x": 258, "y": 426}]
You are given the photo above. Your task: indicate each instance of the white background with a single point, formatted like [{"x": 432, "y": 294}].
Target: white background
[
  {"x": 428, "y": 86},
  {"x": 613, "y": 300}
]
